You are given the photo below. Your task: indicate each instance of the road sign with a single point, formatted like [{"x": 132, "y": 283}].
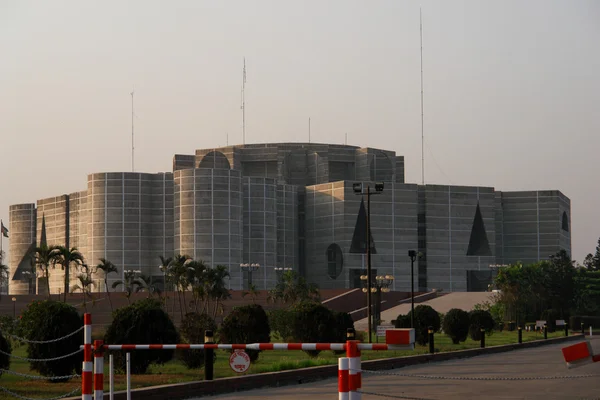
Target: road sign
[
  {"x": 239, "y": 361},
  {"x": 382, "y": 328}
]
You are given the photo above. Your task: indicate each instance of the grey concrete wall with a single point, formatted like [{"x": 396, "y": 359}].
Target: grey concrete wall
[
  {"x": 532, "y": 225},
  {"x": 22, "y": 223},
  {"x": 331, "y": 214},
  {"x": 287, "y": 227},
  {"x": 54, "y": 211},
  {"x": 260, "y": 230},
  {"x": 122, "y": 225},
  {"x": 450, "y": 212},
  {"x": 208, "y": 215}
]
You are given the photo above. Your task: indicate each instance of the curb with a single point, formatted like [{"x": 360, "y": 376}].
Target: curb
[{"x": 186, "y": 390}]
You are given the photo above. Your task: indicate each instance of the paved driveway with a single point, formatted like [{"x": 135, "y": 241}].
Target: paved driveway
[{"x": 540, "y": 362}]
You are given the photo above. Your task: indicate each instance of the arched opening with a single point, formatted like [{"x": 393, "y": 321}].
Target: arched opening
[
  {"x": 335, "y": 261},
  {"x": 565, "y": 222},
  {"x": 214, "y": 160}
]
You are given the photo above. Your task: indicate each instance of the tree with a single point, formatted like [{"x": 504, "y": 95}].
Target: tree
[
  {"x": 179, "y": 272},
  {"x": 252, "y": 291},
  {"x": 246, "y": 324},
  {"x": 292, "y": 288},
  {"x": 456, "y": 325},
  {"x": 142, "y": 322},
  {"x": 106, "y": 267},
  {"x": 4, "y": 271},
  {"x": 44, "y": 258},
  {"x": 425, "y": 316},
  {"x": 67, "y": 258},
  {"x": 85, "y": 283},
  {"x": 148, "y": 284},
  {"x": 193, "y": 328},
  {"x": 593, "y": 263},
  {"x": 130, "y": 284},
  {"x": 312, "y": 322},
  {"x": 559, "y": 282},
  {"x": 480, "y": 319},
  {"x": 47, "y": 320}
]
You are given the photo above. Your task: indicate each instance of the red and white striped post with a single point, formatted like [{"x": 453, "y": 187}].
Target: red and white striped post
[
  {"x": 343, "y": 365},
  {"x": 87, "y": 370},
  {"x": 354, "y": 375},
  {"x": 98, "y": 370}
]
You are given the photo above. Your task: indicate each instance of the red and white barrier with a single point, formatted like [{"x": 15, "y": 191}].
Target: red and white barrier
[
  {"x": 579, "y": 354},
  {"x": 98, "y": 370},
  {"x": 349, "y": 368},
  {"x": 87, "y": 369},
  {"x": 343, "y": 386}
]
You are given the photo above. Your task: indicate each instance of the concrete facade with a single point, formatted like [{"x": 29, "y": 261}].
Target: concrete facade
[{"x": 291, "y": 205}]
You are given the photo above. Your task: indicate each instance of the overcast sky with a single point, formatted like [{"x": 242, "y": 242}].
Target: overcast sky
[{"x": 512, "y": 88}]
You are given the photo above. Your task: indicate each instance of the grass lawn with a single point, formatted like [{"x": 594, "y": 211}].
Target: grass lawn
[{"x": 269, "y": 361}]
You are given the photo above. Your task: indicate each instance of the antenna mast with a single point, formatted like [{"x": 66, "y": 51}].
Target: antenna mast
[
  {"x": 243, "y": 107},
  {"x": 308, "y": 129},
  {"x": 132, "y": 142},
  {"x": 422, "y": 118}
]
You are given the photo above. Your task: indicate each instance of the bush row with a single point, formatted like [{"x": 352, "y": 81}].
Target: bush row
[
  {"x": 457, "y": 324},
  {"x": 145, "y": 321}
]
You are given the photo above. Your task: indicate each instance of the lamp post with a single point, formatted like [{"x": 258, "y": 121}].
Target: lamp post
[
  {"x": 413, "y": 256},
  {"x": 359, "y": 189},
  {"x": 282, "y": 270},
  {"x": 249, "y": 268},
  {"x": 382, "y": 284},
  {"x": 14, "y": 300},
  {"x": 164, "y": 271}
]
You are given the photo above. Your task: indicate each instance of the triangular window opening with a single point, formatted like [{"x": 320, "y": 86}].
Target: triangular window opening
[
  {"x": 359, "y": 238},
  {"x": 478, "y": 243}
]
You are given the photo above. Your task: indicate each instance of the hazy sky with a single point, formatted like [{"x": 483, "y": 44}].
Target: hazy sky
[{"x": 512, "y": 88}]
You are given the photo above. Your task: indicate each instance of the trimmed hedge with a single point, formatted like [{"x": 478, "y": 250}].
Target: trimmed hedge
[
  {"x": 246, "y": 324},
  {"x": 425, "y": 316},
  {"x": 47, "y": 320},
  {"x": 313, "y": 323},
  {"x": 144, "y": 321},
  {"x": 456, "y": 325},
  {"x": 480, "y": 319},
  {"x": 576, "y": 320}
]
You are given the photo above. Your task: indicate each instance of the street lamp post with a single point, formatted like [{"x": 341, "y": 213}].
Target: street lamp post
[
  {"x": 14, "y": 300},
  {"x": 413, "y": 256},
  {"x": 382, "y": 284},
  {"x": 359, "y": 189},
  {"x": 281, "y": 270},
  {"x": 249, "y": 268}
]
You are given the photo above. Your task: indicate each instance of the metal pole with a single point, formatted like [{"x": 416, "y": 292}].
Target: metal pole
[
  {"x": 208, "y": 356},
  {"x": 369, "y": 283},
  {"x": 111, "y": 378},
  {"x": 128, "y": 371}
]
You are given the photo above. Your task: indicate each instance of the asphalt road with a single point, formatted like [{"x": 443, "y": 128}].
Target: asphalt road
[{"x": 545, "y": 361}]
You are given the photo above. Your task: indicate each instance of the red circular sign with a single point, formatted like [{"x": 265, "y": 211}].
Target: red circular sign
[{"x": 239, "y": 361}]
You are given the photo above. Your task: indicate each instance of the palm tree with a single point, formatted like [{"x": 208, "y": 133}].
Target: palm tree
[
  {"x": 165, "y": 264},
  {"x": 67, "y": 258},
  {"x": 218, "y": 291},
  {"x": 179, "y": 274},
  {"x": 252, "y": 291},
  {"x": 130, "y": 283},
  {"x": 148, "y": 284},
  {"x": 44, "y": 258},
  {"x": 292, "y": 288},
  {"x": 85, "y": 282},
  {"x": 107, "y": 267}
]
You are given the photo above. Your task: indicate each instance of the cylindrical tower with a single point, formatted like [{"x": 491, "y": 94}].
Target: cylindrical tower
[
  {"x": 260, "y": 229},
  {"x": 208, "y": 217},
  {"x": 124, "y": 226},
  {"x": 22, "y": 221}
]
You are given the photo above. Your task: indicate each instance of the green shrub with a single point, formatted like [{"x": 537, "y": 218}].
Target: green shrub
[
  {"x": 47, "y": 320},
  {"x": 480, "y": 319},
  {"x": 6, "y": 349},
  {"x": 193, "y": 328},
  {"x": 576, "y": 320},
  {"x": 425, "y": 316},
  {"x": 313, "y": 323},
  {"x": 343, "y": 321},
  {"x": 246, "y": 324},
  {"x": 279, "y": 321},
  {"x": 456, "y": 325},
  {"x": 402, "y": 321},
  {"x": 143, "y": 322}
]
